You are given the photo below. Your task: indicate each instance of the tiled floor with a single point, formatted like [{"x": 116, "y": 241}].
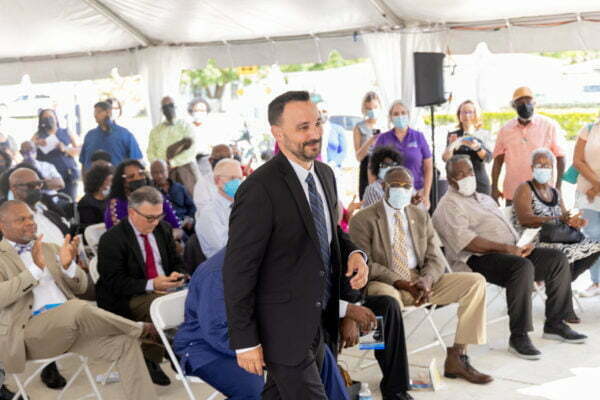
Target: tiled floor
[{"x": 565, "y": 372}]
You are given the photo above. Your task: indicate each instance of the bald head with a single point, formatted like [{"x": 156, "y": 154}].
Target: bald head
[
  {"x": 228, "y": 167},
  {"x": 26, "y": 185},
  {"x": 166, "y": 100},
  {"x": 398, "y": 174},
  {"x": 8, "y": 208},
  {"x": 16, "y": 222},
  {"x": 22, "y": 175}
]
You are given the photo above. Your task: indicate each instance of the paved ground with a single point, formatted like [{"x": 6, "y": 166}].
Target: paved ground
[{"x": 565, "y": 372}]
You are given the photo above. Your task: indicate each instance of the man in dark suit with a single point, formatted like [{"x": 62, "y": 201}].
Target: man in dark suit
[
  {"x": 285, "y": 257},
  {"x": 138, "y": 262}
]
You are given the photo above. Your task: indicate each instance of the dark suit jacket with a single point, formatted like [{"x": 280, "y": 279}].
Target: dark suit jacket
[
  {"x": 122, "y": 268},
  {"x": 273, "y": 274}
]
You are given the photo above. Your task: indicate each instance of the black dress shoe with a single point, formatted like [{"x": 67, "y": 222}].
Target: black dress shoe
[
  {"x": 563, "y": 333},
  {"x": 522, "y": 347},
  {"x": 156, "y": 374},
  {"x": 6, "y": 394},
  {"x": 52, "y": 378},
  {"x": 398, "y": 396}
]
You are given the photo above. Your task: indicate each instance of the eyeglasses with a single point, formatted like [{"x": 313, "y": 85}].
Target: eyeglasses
[
  {"x": 388, "y": 165},
  {"x": 30, "y": 185},
  {"x": 150, "y": 218},
  {"x": 137, "y": 175}
]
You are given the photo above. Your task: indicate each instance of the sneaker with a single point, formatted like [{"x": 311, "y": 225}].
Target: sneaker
[
  {"x": 521, "y": 346},
  {"x": 563, "y": 333},
  {"x": 590, "y": 292}
]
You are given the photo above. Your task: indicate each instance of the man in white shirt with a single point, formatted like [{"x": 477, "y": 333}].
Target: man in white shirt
[
  {"x": 26, "y": 186},
  {"x": 38, "y": 284},
  {"x": 53, "y": 181},
  {"x": 212, "y": 220}
]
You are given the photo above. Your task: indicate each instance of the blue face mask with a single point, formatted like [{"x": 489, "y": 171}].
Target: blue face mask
[
  {"x": 399, "y": 197},
  {"x": 231, "y": 187},
  {"x": 371, "y": 114},
  {"x": 542, "y": 175},
  {"x": 400, "y": 121},
  {"x": 382, "y": 172}
]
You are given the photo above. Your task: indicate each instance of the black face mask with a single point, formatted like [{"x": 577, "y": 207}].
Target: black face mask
[
  {"x": 33, "y": 196},
  {"x": 169, "y": 111},
  {"x": 134, "y": 185},
  {"x": 48, "y": 123},
  {"x": 525, "y": 110}
]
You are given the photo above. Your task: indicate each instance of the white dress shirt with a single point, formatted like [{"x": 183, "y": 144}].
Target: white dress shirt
[
  {"x": 46, "y": 291},
  {"x": 51, "y": 232},
  {"x": 212, "y": 224},
  {"x": 391, "y": 220},
  {"x": 157, "y": 259},
  {"x": 48, "y": 171}
]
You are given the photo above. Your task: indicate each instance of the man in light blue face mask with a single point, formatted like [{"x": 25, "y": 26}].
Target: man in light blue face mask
[
  {"x": 212, "y": 219},
  {"x": 406, "y": 262}
]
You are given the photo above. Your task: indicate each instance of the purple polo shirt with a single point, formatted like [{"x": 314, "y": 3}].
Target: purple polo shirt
[{"x": 414, "y": 150}]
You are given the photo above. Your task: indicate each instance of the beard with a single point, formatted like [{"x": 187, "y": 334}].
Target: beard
[{"x": 302, "y": 151}]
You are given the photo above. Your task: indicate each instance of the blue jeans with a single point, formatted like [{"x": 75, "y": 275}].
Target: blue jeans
[{"x": 592, "y": 231}]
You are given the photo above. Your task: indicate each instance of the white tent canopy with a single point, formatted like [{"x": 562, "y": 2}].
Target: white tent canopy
[{"x": 84, "y": 39}]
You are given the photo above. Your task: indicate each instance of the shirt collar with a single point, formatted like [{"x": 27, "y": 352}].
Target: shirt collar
[
  {"x": 137, "y": 233},
  {"x": 226, "y": 203},
  {"x": 391, "y": 211},
  {"x": 301, "y": 171},
  {"x": 14, "y": 244}
]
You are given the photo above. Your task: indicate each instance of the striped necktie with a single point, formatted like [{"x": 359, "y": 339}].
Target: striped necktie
[{"x": 400, "y": 250}]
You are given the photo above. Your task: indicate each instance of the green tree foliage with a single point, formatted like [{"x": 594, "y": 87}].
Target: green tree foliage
[
  {"x": 335, "y": 60},
  {"x": 212, "y": 79},
  {"x": 571, "y": 122},
  {"x": 572, "y": 56}
]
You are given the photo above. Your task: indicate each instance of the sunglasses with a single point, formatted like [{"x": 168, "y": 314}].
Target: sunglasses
[{"x": 30, "y": 185}]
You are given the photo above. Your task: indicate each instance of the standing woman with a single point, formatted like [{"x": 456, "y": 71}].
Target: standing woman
[
  {"x": 62, "y": 153},
  {"x": 469, "y": 139},
  {"x": 413, "y": 147},
  {"x": 365, "y": 136},
  {"x": 587, "y": 162}
]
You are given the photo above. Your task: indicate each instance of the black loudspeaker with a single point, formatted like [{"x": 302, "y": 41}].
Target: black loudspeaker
[{"x": 429, "y": 79}]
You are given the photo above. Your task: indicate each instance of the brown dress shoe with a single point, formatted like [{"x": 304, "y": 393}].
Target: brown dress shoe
[{"x": 458, "y": 366}]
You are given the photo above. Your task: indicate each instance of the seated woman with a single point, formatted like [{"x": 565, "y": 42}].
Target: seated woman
[
  {"x": 382, "y": 159},
  {"x": 129, "y": 176},
  {"x": 536, "y": 202},
  {"x": 96, "y": 184}
]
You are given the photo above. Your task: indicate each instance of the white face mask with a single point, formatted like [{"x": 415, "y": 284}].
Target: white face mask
[{"x": 467, "y": 186}]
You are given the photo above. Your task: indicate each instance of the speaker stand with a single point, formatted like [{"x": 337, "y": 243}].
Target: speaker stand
[{"x": 434, "y": 180}]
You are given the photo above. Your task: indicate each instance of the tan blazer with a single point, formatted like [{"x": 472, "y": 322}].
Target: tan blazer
[
  {"x": 369, "y": 231},
  {"x": 16, "y": 299}
]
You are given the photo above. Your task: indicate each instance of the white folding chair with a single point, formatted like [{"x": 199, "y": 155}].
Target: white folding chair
[
  {"x": 167, "y": 312},
  {"x": 94, "y": 269},
  {"x": 92, "y": 236},
  {"x": 83, "y": 367}
]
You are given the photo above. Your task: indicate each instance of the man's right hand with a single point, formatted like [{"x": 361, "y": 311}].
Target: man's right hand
[
  {"x": 163, "y": 283},
  {"x": 349, "y": 334},
  {"x": 252, "y": 361},
  {"x": 410, "y": 287},
  {"x": 363, "y": 316},
  {"x": 524, "y": 251},
  {"x": 37, "y": 253}
]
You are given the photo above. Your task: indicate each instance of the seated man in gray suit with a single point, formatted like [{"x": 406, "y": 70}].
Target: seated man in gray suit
[
  {"x": 406, "y": 262},
  {"x": 41, "y": 318}
]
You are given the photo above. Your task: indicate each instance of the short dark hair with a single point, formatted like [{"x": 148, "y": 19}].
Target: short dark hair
[
  {"x": 117, "y": 189},
  {"x": 101, "y": 155},
  {"x": 105, "y": 105},
  {"x": 40, "y": 113},
  {"x": 195, "y": 101},
  {"x": 278, "y": 104},
  {"x": 95, "y": 177},
  {"x": 380, "y": 154}
]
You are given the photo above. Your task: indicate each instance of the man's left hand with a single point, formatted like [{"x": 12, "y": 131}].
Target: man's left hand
[
  {"x": 348, "y": 334},
  {"x": 68, "y": 251},
  {"x": 357, "y": 267}
]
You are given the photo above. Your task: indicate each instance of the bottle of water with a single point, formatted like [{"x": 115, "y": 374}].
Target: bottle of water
[{"x": 365, "y": 392}]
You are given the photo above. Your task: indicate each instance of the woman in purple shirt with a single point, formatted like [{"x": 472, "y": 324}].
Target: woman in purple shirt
[
  {"x": 129, "y": 176},
  {"x": 413, "y": 147}
]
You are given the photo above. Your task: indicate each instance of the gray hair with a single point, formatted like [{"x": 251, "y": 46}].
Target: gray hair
[
  {"x": 397, "y": 103},
  {"x": 145, "y": 194},
  {"x": 542, "y": 151},
  {"x": 398, "y": 168},
  {"x": 455, "y": 159}
]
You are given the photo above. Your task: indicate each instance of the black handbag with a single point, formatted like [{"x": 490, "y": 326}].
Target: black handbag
[{"x": 559, "y": 232}]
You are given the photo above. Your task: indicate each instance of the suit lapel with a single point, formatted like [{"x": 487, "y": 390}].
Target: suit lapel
[
  {"x": 384, "y": 232},
  {"x": 12, "y": 255},
  {"x": 159, "y": 235},
  {"x": 299, "y": 196},
  {"x": 134, "y": 244},
  {"x": 415, "y": 233}
]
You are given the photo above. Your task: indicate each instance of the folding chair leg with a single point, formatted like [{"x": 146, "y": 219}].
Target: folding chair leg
[
  {"x": 578, "y": 303},
  {"x": 90, "y": 377},
  {"x": 21, "y": 389}
]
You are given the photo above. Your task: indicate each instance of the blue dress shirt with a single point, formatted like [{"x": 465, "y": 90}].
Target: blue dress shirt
[{"x": 118, "y": 142}]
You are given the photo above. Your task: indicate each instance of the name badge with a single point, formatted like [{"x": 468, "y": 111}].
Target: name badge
[{"x": 413, "y": 144}]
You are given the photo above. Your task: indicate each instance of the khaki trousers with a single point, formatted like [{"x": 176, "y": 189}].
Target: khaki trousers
[
  {"x": 140, "y": 310},
  {"x": 81, "y": 328},
  {"x": 465, "y": 288},
  {"x": 186, "y": 175}
]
